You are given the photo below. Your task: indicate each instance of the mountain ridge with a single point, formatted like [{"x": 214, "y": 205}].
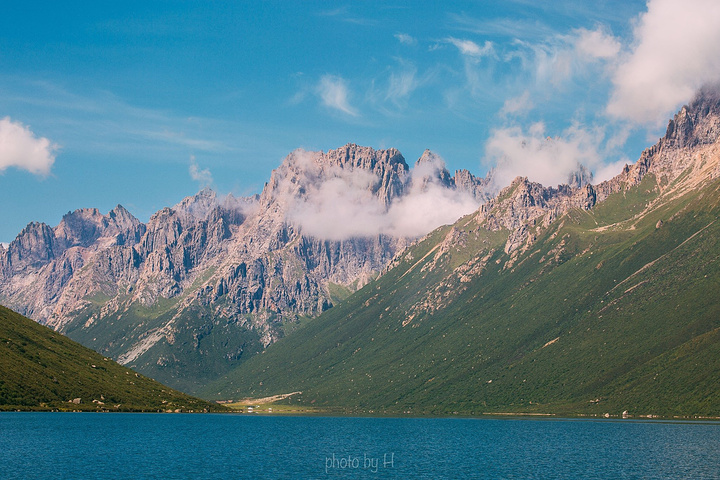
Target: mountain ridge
[
  {"x": 124, "y": 287},
  {"x": 570, "y": 301},
  {"x": 209, "y": 282}
]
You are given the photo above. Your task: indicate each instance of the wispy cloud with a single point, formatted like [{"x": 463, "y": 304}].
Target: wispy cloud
[
  {"x": 182, "y": 139},
  {"x": 333, "y": 92},
  {"x": 475, "y": 72},
  {"x": 106, "y": 121},
  {"x": 503, "y": 27},
  {"x": 596, "y": 43},
  {"x": 21, "y": 148},
  {"x": 402, "y": 83},
  {"x": 405, "y": 39},
  {"x": 345, "y": 15},
  {"x": 676, "y": 50},
  {"x": 561, "y": 58},
  {"x": 470, "y": 48},
  {"x": 517, "y": 105}
]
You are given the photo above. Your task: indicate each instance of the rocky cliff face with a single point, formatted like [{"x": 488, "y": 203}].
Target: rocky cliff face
[{"x": 690, "y": 140}]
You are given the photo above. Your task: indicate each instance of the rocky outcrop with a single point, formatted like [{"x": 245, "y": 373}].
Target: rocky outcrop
[
  {"x": 478, "y": 187},
  {"x": 386, "y": 173},
  {"x": 689, "y": 137},
  {"x": 524, "y": 205}
]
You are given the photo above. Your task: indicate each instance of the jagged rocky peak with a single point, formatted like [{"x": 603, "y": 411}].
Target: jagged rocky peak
[
  {"x": 694, "y": 128},
  {"x": 121, "y": 217},
  {"x": 386, "y": 173},
  {"x": 697, "y": 123},
  {"x": 34, "y": 245},
  {"x": 431, "y": 157},
  {"x": 81, "y": 227},
  {"x": 121, "y": 224},
  {"x": 524, "y": 200},
  {"x": 196, "y": 207},
  {"x": 84, "y": 226},
  {"x": 480, "y": 188},
  {"x": 163, "y": 229},
  {"x": 580, "y": 177},
  {"x": 355, "y": 156},
  {"x": 524, "y": 193},
  {"x": 430, "y": 168},
  {"x": 232, "y": 210},
  {"x": 206, "y": 206}
]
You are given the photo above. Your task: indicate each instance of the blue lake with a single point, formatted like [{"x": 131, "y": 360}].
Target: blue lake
[{"x": 222, "y": 446}]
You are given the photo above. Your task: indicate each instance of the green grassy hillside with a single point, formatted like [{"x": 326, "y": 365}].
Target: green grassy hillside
[
  {"x": 205, "y": 345},
  {"x": 608, "y": 310},
  {"x": 43, "y": 370}
]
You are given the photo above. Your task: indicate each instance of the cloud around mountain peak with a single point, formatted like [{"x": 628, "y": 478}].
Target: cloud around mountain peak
[{"x": 338, "y": 203}]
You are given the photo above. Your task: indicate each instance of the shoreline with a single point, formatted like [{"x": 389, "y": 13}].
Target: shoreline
[{"x": 484, "y": 416}]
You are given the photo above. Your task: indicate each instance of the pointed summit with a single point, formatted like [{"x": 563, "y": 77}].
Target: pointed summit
[
  {"x": 697, "y": 123},
  {"x": 580, "y": 177},
  {"x": 121, "y": 216},
  {"x": 430, "y": 168},
  {"x": 196, "y": 207}
]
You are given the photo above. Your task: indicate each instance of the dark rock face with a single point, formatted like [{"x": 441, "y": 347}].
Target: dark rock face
[
  {"x": 694, "y": 128},
  {"x": 697, "y": 123},
  {"x": 36, "y": 245}
]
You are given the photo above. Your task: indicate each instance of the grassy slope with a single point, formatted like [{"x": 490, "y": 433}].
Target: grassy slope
[
  {"x": 586, "y": 321},
  {"x": 41, "y": 369},
  {"x": 205, "y": 345}
]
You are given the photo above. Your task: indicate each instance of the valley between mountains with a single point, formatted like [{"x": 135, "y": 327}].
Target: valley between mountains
[{"x": 577, "y": 299}]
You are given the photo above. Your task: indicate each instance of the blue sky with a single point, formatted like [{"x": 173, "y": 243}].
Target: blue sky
[{"x": 144, "y": 103}]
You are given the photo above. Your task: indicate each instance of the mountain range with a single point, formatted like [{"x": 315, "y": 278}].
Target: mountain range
[
  {"x": 576, "y": 298},
  {"x": 596, "y": 300},
  {"x": 203, "y": 285}
]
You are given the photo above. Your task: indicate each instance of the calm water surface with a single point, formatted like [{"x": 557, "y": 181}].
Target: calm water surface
[{"x": 162, "y": 446}]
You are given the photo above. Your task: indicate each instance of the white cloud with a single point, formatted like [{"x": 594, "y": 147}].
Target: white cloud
[
  {"x": 516, "y": 105},
  {"x": 676, "y": 50},
  {"x": 405, "y": 39},
  {"x": 20, "y": 148},
  {"x": 549, "y": 161},
  {"x": 609, "y": 170},
  {"x": 563, "y": 57},
  {"x": 470, "y": 48},
  {"x": 402, "y": 84},
  {"x": 596, "y": 43},
  {"x": 475, "y": 72},
  {"x": 333, "y": 92},
  {"x": 203, "y": 177},
  {"x": 338, "y": 203}
]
